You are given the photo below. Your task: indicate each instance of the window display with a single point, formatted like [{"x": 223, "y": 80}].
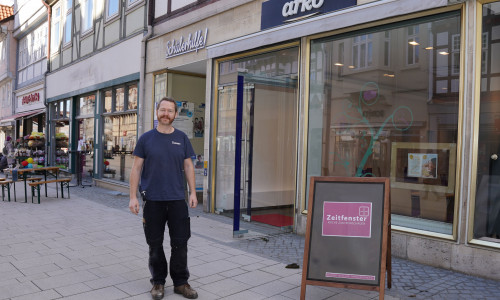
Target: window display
[
  {"x": 120, "y": 132},
  {"x": 384, "y": 103},
  {"x": 487, "y": 201}
]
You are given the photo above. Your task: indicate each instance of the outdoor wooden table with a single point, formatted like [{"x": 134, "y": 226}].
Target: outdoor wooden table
[{"x": 25, "y": 172}]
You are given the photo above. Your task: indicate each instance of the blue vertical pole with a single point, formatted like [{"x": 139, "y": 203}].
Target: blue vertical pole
[{"x": 237, "y": 154}]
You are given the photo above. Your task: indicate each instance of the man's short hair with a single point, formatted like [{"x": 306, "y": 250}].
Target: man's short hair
[{"x": 168, "y": 100}]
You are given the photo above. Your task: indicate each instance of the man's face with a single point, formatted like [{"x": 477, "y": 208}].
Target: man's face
[{"x": 166, "y": 113}]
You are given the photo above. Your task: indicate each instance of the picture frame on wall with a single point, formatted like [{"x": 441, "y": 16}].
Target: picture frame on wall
[{"x": 423, "y": 166}]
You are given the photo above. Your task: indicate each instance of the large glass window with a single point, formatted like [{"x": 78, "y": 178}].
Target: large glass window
[
  {"x": 487, "y": 203},
  {"x": 120, "y": 131},
  {"x": 56, "y": 28},
  {"x": 112, "y": 8},
  {"x": 390, "y": 120},
  {"x": 60, "y": 118}
]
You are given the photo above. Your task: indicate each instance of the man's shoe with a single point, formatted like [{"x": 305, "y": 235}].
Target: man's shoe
[
  {"x": 158, "y": 291},
  {"x": 186, "y": 291}
]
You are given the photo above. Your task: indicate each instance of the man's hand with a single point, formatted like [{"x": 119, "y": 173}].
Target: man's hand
[
  {"x": 193, "y": 201},
  {"x": 133, "y": 205}
]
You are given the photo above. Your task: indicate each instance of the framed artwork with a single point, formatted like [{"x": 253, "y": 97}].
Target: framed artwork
[{"x": 423, "y": 166}]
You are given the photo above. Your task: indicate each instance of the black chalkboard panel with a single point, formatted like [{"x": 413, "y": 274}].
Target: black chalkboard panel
[{"x": 346, "y": 238}]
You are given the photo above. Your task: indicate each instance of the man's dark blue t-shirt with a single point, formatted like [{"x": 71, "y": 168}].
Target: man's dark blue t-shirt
[{"x": 162, "y": 175}]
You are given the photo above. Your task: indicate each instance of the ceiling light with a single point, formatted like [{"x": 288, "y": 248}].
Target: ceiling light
[
  {"x": 339, "y": 64},
  {"x": 389, "y": 75},
  {"x": 429, "y": 48},
  {"x": 444, "y": 53},
  {"x": 352, "y": 67},
  {"x": 413, "y": 43}
]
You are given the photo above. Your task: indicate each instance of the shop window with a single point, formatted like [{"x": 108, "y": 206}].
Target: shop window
[
  {"x": 60, "y": 112},
  {"x": 487, "y": 199},
  {"x": 120, "y": 131},
  {"x": 390, "y": 120},
  {"x": 86, "y": 105},
  {"x": 132, "y": 97},
  {"x": 108, "y": 101}
]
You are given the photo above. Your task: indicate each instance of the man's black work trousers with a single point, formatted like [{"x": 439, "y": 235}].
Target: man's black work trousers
[{"x": 175, "y": 214}]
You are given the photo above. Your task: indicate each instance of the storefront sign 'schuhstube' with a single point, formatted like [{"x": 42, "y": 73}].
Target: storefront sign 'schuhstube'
[{"x": 193, "y": 42}]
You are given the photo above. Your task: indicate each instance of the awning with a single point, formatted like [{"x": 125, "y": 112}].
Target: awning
[{"x": 23, "y": 115}]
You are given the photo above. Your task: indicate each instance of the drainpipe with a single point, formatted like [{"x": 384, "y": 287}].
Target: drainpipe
[
  {"x": 142, "y": 81},
  {"x": 47, "y": 132}
]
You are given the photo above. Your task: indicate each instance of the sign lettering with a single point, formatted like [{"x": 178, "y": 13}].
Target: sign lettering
[
  {"x": 194, "y": 42},
  {"x": 35, "y": 97},
  {"x": 292, "y": 8}
]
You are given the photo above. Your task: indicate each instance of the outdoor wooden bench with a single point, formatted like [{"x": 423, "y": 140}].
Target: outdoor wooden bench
[
  {"x": 7, "y": 183},
  {"x": 35, "y": 187}
]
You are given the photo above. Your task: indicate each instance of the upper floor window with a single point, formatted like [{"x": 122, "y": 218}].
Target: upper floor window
[
  {"x": 87, "y": 15},
  {"x": 112, "y": 7},
  {"x": 32, "y": 47},
  {"x": 167, "y": 6},
  {"x": 412, "y": 46},
  {"x": 68, "y": 21},
  {"x": 56, "y": 28},
  {"x": 2, "y": 51}
]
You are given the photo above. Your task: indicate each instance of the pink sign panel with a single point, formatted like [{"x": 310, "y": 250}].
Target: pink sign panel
[{"x": 350, "y": 219}]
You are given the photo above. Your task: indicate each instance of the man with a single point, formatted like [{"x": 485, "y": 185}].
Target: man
[{"x": 159, "y": 158}]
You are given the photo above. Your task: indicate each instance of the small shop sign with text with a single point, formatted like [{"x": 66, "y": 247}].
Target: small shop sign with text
[
  {"x": 349, "y": 219},
  {"x": 279, "y": 12},
  {"x": 194, "y": 42}
]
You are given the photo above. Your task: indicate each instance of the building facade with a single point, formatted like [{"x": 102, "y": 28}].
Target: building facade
[
  {"x": 401, "y": 89},
  {"x": 7, "y": 71},
  {"x": 93, "y": 87}
]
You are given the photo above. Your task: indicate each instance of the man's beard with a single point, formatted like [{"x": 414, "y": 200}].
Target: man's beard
[{"x": 168, "y": 120}]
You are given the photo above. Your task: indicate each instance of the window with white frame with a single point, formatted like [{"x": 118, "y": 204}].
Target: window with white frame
[
  {"x": 412, "y": 45},
  {"x": 68, "y": 21},
  {"x": 87, "y": 15},
  {"x": 112, "y": 7},
  {"x": 56, "y": 28},
  {"x": 362, "y": 51},
  {"x": 2, "y": 51},
  {"x": 32, "y": 47}
]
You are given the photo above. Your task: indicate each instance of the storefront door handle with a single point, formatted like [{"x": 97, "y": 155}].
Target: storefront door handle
[{"x": 494, "y": 157}]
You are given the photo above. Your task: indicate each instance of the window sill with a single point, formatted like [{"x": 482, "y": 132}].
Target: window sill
[
  {"x": 87, "y": 33},
  {"x": 111, "y": 19}
]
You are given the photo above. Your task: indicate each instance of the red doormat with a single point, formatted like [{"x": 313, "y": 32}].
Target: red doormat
[{"x": 274, "y": 220}]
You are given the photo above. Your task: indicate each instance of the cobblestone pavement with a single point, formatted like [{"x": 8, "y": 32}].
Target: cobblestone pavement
[{"x": 409, "y": 280}]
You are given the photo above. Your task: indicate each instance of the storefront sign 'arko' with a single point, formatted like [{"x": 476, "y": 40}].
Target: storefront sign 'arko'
[
  {"x": 292, "y": 8},
  {"x": 194, "y": 42}
]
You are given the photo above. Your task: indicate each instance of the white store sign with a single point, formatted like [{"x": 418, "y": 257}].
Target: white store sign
[{"x": 193, "y": 42}]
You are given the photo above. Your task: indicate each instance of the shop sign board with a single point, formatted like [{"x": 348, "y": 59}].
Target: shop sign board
[
  {"x": 194, "y": 42},
  {"x": 347, "y": 237},
  {"x": 279, "y": 12},
  {"x": 31, "y": 100}
]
